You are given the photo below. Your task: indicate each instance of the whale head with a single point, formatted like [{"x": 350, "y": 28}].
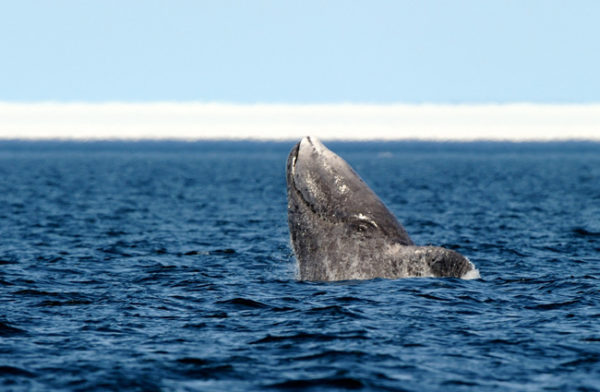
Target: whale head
[
  {"x": 327, "y": 188},
  {"x": 341, "y": 230}
]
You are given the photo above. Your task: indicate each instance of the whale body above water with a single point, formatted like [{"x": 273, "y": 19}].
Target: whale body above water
[{"x": 341, "y": 230}]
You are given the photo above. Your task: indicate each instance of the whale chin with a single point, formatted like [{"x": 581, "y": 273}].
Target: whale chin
[{"x": 341, "y": 230}]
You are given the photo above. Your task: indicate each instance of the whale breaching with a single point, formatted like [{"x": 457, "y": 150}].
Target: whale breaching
[{"x": 341, "y": 230}]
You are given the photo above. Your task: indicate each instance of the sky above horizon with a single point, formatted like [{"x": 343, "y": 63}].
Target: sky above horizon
[{"x": 300, "y": 51}]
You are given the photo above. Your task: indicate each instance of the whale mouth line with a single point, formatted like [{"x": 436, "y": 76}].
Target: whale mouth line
[
  {"x": 292, "y": 177},
  {"x": 292, "y": 167}
]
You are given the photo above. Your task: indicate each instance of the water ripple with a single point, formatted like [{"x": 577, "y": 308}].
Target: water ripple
[{"x": 167, "y": 267}]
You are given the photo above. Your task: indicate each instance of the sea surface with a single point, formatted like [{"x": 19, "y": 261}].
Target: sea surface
[{"x": 166, "y": 266}]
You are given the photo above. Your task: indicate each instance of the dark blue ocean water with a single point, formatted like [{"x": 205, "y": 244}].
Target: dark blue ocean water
[{"x": 167, "y": 266}]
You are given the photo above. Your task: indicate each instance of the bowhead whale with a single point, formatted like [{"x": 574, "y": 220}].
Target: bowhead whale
[{"x": 341, "y": 230}]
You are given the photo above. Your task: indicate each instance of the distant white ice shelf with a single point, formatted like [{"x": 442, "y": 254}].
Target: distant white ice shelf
[{"x": 202, "y": 121}]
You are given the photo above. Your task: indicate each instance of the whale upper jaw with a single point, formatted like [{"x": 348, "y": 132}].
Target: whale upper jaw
[{"x": 341, "y": 230}]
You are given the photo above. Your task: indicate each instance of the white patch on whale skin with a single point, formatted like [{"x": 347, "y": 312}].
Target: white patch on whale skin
[
  {"x": 342, "y": 187},
  {"x": 294, "y": 166},
  {"x": 366, "y": 219},
  {"x": 311, "y": 185}
]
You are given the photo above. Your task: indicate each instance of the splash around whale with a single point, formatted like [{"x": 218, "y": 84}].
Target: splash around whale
[{"x": 341, "y": 230}]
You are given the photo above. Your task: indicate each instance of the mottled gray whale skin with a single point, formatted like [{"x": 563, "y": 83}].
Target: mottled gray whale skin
[{"x": 341, "y": 230}]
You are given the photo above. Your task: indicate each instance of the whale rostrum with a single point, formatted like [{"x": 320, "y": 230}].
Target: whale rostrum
[{"x": 341, "y": 230}]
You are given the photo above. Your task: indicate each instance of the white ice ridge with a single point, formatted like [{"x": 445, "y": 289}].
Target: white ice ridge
[{"x": 201, "y": 121}]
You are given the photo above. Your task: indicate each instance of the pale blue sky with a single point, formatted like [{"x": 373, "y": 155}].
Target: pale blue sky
[{"x": 300, "y": 51}]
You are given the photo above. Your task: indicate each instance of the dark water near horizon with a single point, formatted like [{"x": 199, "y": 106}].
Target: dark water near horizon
[{"x": 167, "y": 266}]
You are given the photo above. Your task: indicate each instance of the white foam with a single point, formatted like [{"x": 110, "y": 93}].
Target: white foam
[
  {"x": 472, "y": 274},
  {"x": 202, "y": 121}
]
